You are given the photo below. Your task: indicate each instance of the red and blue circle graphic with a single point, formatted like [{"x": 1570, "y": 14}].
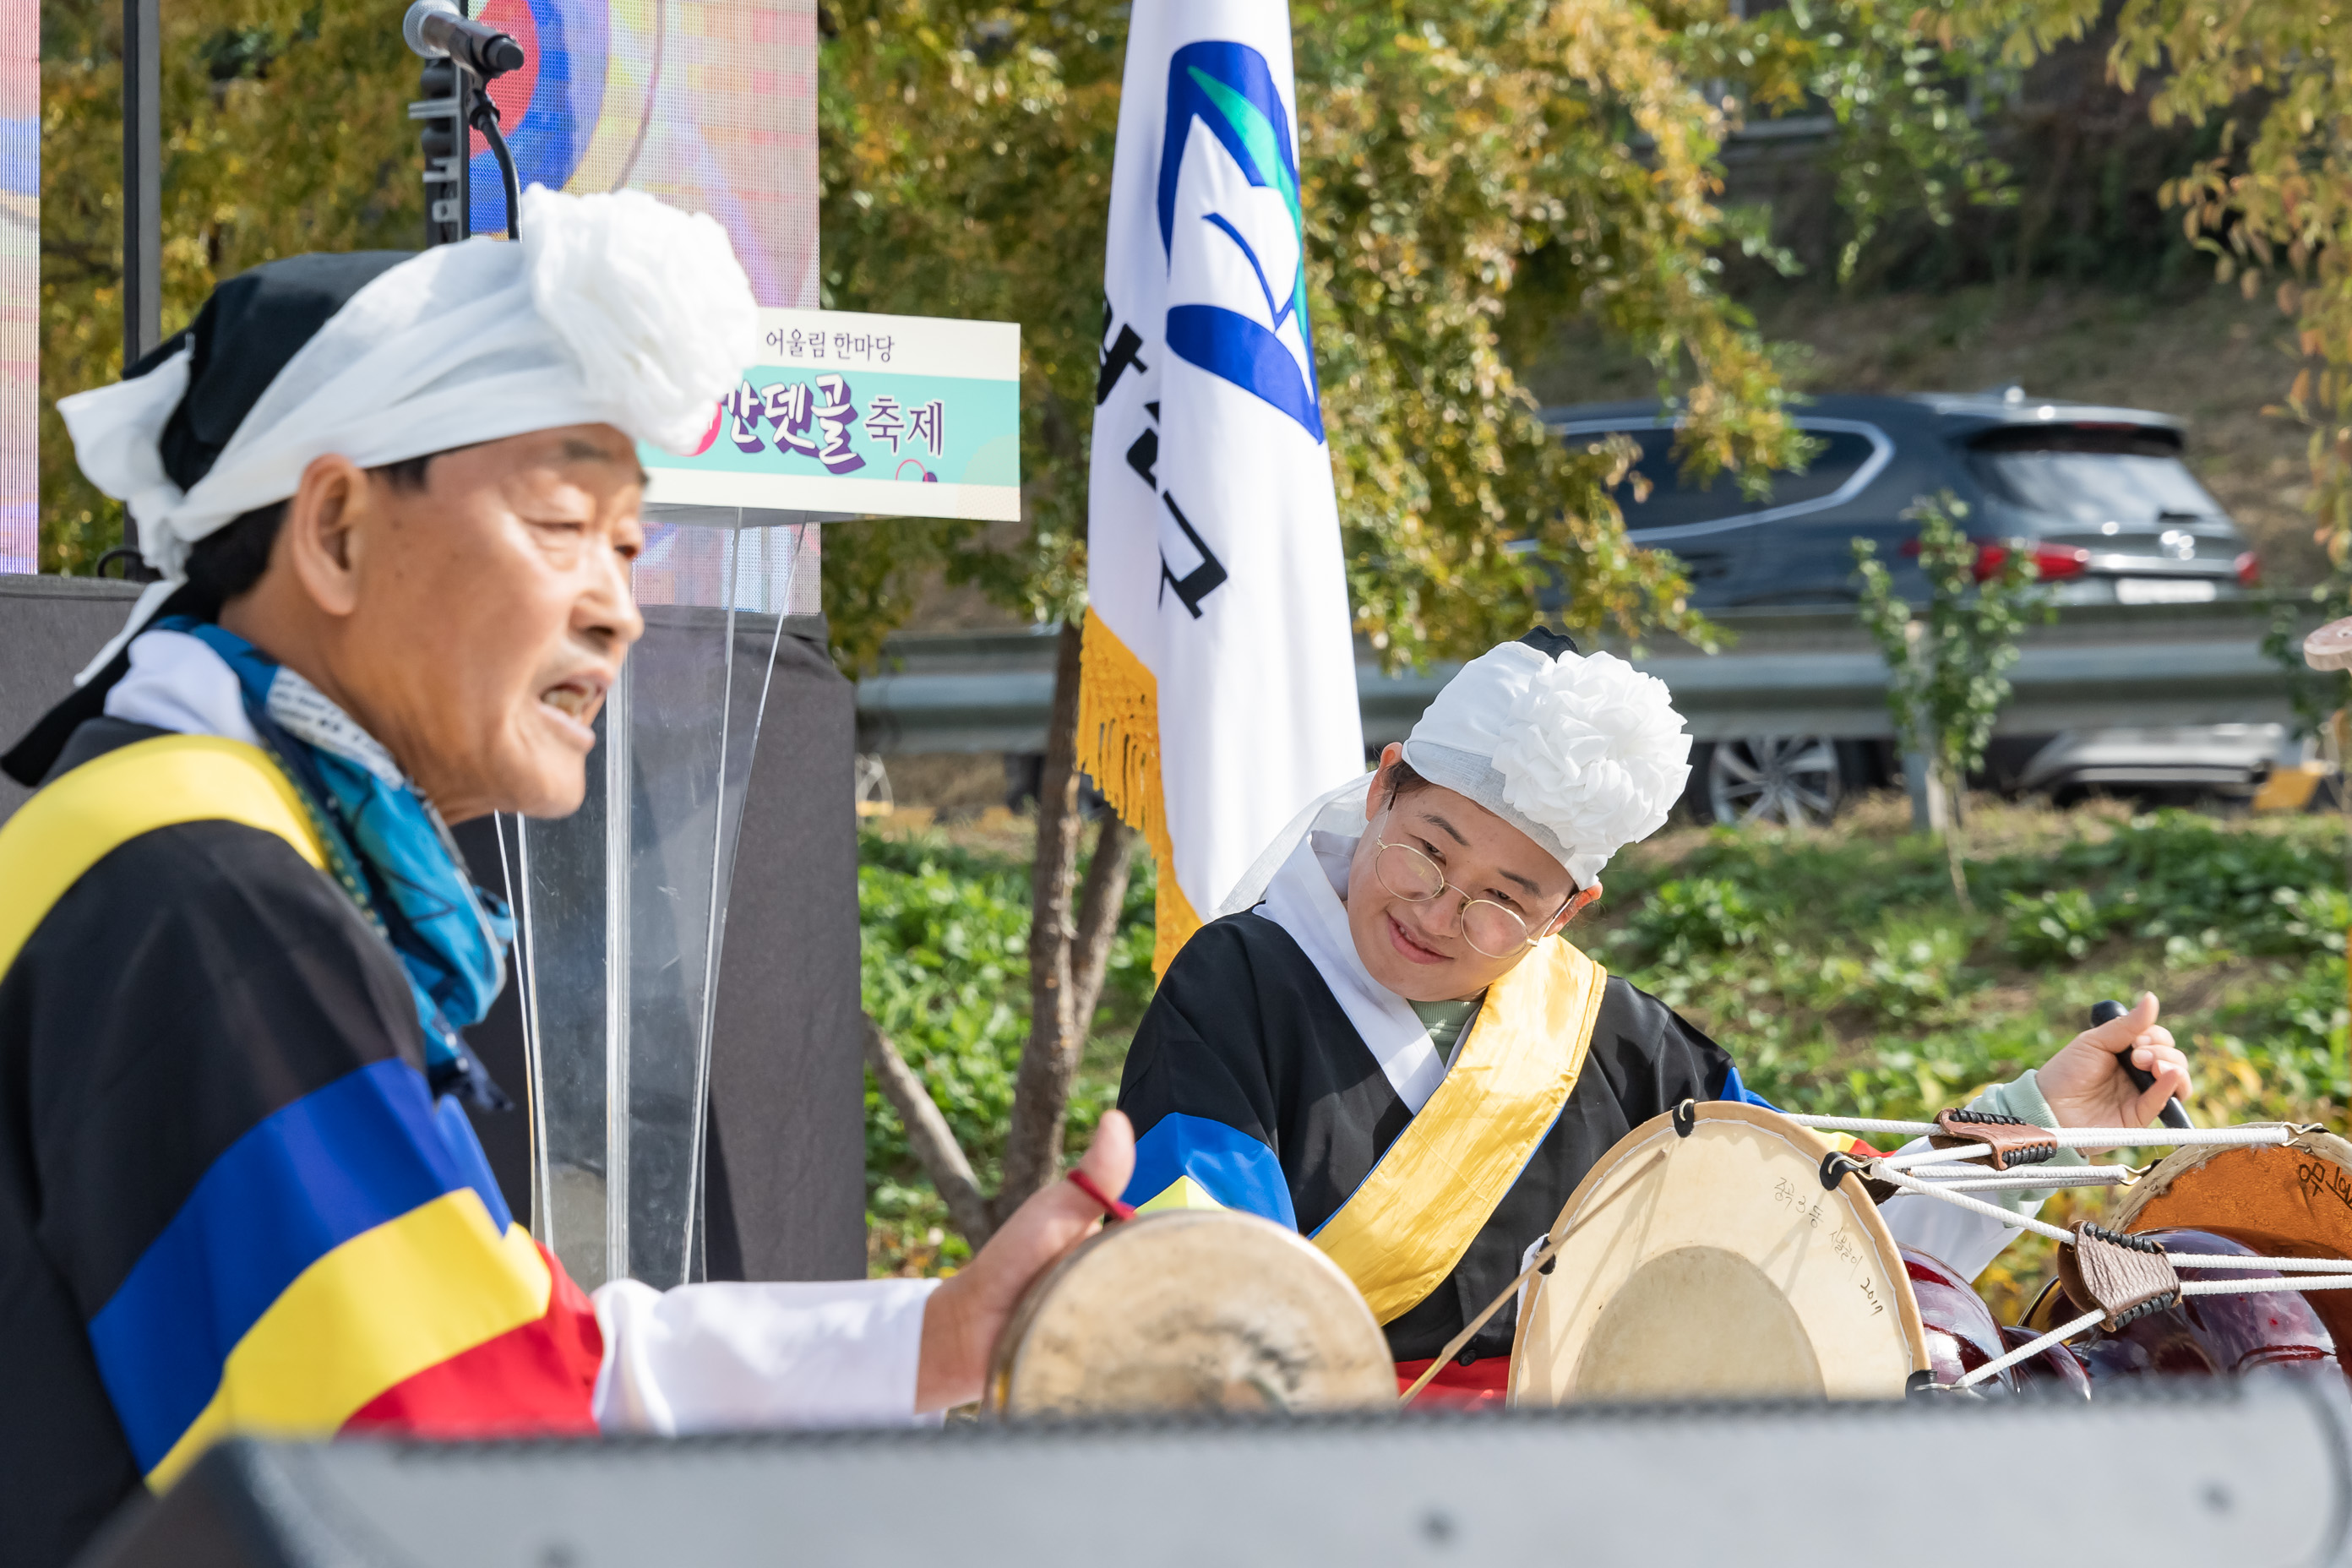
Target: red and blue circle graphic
[{"x": 549, "y": 108}]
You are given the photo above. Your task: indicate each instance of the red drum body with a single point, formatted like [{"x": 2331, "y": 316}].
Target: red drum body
[
  {"x": 2056, "y": 1371},
  {"x": 1961, "y": 1333},
  {"x": 2292, "y": 1200},
  {"x": 2205, "y": 1336}
]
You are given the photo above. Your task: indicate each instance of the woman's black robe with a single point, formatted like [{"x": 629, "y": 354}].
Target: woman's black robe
[{"x": 1248, "y": 1076}]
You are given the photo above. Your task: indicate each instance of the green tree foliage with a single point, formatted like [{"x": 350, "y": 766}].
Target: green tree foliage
[
  {"x": 1947, "y": 673},
  {"x": 285, "y": 130},
  {"x": 2272, "y": 202},
  {"x": 1466, "y": 174}
]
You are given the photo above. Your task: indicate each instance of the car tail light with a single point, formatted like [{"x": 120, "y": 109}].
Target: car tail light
[
  {"x": 2053, "y": 561},
  {"x": 2249, "y": 568},
  {"x": 2056, "y": 561}
]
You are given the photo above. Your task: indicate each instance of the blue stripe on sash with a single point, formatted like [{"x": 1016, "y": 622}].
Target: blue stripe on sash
[
  {"x": 1230, "y": 1166},
  {"x": 338, "y": 1162},
  {"x": 1734, "y": 1090}
]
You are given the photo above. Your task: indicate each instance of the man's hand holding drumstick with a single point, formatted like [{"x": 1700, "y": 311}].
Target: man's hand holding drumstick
[
  {"x": 964, "y": 1315},
  {"x": 2084, "y": 1082}
]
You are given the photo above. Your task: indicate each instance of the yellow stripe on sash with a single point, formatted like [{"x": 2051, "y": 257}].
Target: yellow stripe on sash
[
  {"x": 73, "y": 823},
  {"x": 371, "y": 1314},
  {"x": 1183, "y": 1193},
  {"x": 1403, "y": 1230}
]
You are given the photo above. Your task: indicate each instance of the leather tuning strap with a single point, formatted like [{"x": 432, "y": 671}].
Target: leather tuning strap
[
  {"x": 2125, "y": 1277},
  {"x": 2012, "y": 1142}
]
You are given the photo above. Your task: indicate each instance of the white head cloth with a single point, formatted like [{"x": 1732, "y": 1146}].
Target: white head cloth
[
  {"x": 1583, "y": 754},
  {"x": 612, "y": 308}
]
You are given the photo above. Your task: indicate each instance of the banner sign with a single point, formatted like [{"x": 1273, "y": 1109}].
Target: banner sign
[
  {"x": 857, "y": 416},
  {"x": 1219, "y": 688}
]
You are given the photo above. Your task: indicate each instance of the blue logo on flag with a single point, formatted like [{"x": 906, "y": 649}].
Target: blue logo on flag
[{"x": 1227, "y": 88}]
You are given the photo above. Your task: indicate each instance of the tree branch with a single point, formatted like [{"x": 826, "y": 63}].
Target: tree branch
[
  {"x": 1041, "y": 1088},
  {"x": 928, "y": 1135},
  {"x": 1098, "y": 909}
]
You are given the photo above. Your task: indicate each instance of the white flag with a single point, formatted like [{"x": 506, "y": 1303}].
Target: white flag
[{"x": 1220, "y": 687}]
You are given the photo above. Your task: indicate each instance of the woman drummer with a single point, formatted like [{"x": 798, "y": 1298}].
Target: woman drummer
[{"x": 1378, "y": 1045}]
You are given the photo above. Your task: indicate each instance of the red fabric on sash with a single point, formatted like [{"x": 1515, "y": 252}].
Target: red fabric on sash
[
  {"x": 537, "y": 1379},
  {"x": 1482, "y": 1385}
]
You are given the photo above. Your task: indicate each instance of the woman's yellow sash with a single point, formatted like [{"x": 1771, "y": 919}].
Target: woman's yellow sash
[{"x": 1403, "y": 1230}]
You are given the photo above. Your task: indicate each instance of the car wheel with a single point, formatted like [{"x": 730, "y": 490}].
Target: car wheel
[{"x": 1794, "y": 780}]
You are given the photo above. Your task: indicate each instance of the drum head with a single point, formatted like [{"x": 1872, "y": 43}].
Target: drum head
[
  {"x": 1714, "y": 1265},
  {"x": 2277, "y": 1198},
  {"x": 1190, "y": 1309}
]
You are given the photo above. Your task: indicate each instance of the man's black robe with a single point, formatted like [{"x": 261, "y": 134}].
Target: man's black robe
[{"x": 1244, "y": 1032}]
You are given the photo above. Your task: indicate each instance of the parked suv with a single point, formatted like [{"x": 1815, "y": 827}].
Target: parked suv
[{"x": 2100, "y": 496}]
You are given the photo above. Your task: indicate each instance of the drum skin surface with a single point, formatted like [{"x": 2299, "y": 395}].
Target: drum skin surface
[
  {"x": 1193, "y": 1309},
  {"x": 1715, "y": 1265}
]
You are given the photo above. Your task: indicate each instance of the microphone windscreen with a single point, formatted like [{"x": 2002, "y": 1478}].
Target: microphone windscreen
[{"x": 412, "y": 26}]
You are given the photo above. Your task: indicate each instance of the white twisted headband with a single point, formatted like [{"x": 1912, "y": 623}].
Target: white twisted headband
[{"x": 612, "y": 308}]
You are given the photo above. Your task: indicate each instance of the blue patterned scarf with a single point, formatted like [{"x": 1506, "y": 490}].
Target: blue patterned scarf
[{"x": 388, "y": 848}]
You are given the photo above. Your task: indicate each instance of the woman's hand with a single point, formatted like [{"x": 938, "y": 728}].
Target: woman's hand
[
  {"x": 2084, "y": 1082},
  {"x": 964, "y": 1315}
]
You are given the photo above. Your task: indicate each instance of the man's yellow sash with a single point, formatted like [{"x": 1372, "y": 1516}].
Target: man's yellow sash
[
  {"x": 1408, "y": 1223},
  {"x": 77, "y": 821}
]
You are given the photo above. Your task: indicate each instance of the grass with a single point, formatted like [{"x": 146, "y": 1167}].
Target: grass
[{"x": 1834, "y": 965}]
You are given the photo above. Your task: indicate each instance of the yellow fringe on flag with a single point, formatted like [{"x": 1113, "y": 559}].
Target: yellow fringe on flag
[{"x": 1119, "y": 746}]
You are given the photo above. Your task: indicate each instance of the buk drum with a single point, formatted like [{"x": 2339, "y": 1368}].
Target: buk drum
[
  {"x": 1192, "y": 1310},
  {"x": 1703, "y": 1257},
  {"x": 2292, "y": 1200}
]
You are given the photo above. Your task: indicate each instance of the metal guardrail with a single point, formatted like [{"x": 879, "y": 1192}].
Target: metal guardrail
[{"x": 1784, "y": 672}]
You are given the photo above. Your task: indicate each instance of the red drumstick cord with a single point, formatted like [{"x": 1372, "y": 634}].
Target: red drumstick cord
[{"x": 1110, "y": 1205}]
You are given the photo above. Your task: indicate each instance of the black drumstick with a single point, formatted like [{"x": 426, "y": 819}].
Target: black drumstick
[{"x": 2142, "y": 1080}]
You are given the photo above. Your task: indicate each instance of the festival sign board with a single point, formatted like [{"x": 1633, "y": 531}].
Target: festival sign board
[{"x": 849, "y": 415}]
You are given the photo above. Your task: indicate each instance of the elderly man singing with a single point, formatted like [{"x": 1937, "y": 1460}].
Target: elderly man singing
[{"x": 395, "y": 499}]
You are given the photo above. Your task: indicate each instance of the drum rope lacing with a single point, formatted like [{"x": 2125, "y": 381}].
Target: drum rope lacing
[
  {"x": 2091, "y": 1319},
  {"x": 2029, "y": 1181},
  {"x": 2252, "y": 1133},
  {"x": 1915, "y": 1172}
]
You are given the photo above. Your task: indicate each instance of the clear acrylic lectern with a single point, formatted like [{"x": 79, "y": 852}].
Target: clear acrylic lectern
[{"x": 622, "y": 907}]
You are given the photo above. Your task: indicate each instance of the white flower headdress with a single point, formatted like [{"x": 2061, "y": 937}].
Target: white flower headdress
[{"x": 1583, "y": 754}]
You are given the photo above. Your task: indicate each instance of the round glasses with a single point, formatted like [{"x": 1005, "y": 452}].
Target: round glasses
[{"x": 1489, "y": 927}]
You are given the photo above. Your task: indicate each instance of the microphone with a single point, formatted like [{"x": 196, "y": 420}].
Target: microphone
[{"x": 436, "y": 29}]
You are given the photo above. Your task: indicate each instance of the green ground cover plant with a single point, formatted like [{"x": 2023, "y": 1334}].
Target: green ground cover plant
[
  {"x": 1834, "y": 965},
  {"x": 944, "y": 933}
]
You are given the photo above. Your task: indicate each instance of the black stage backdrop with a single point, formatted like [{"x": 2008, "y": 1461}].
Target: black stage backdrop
[{"x": 787, "y": 1189}]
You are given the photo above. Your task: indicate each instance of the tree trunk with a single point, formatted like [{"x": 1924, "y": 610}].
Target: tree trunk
[
  {"x": 1098, "y": 908},
  {"x": 1955, "y": 843},
  {"x": 1041, "y": 1088},
  {"x": 1069, "y": 954},
  {"x": 927, "y": 1133}
]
